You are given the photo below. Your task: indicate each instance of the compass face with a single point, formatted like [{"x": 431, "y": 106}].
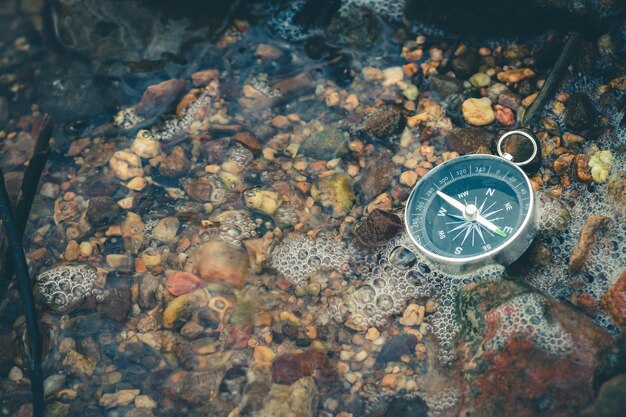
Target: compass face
[{"x": 469, "y": 208}]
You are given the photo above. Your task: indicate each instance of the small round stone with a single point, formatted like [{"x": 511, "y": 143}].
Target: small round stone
[{"x": 478, "y": 111}]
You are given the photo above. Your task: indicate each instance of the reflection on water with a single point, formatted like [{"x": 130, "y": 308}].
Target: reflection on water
[{"x": 218, "y": 229}]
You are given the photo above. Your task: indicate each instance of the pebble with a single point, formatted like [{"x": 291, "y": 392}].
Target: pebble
[
  {"x": 72, "y": 251},
  {"x": 408, "y": 178},
  {"x": 126, "y": 165},
  {"x": 79, "y": 364},
  {"x": 480, "y": 79},
  {"x": 372, "y": 334},
  {"x": 515, "y": 75},
  {"x": 166, "y": 229},
  {"x": 15, "y": 374},
  {"x": 145, "y": 145},
  {"x": 219, "y": 261},
  {"x": 144, "y": 401},
  {"x": 392, "y": 76},
  {"x": 137, "y": 184},
  {"x": 119, "y": 398},
  {"x": 263, "y": 358},
  {"x": 360, "y": 356},
  {"x": 478, "y": 111},
  {"x": 53, "y": 383}
]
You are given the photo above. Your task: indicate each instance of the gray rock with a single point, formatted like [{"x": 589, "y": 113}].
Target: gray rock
[
  {"x": 580, "y": 113},
  {"x": 444, "y": 85},
  {"x": 358, "y": 28},
  {"x": 325, "y": 145},
  {"x": 299, "y": 399}
]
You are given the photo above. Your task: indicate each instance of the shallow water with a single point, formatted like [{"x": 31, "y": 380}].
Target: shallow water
[{"x": 207, "y": 238}]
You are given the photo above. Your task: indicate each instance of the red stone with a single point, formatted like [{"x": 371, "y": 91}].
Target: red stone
[
  {"x": 614, "y": 301},
  {"x": 290, "y": 367}
]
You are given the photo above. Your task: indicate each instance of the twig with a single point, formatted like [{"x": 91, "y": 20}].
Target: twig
[
  {"x": 41, "y": 132},
  {"x": 554, "y": 79},
  {"x": 35, "y": 347}
]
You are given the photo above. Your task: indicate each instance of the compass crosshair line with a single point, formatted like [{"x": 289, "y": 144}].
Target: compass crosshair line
[{"x": 471, "y": 213}]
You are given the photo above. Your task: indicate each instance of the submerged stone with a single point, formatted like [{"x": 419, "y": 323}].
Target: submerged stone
[
  {"x": 580, "y": 113},
  {"x": 219, "y": 261},
  {"x": 358, "y": 28},
  {"x": 383, "y": 122},
  {"x": 325, "y": 145},
  {"x": 528, "y": 350},
  {"x": 335, "y": 191},
  {"x": 299, "y": 399}
]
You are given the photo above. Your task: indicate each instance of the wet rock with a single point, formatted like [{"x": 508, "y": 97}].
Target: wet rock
[
  {"x": 614, "y": 301},
  {"x": 289, "y": 88},
  {"x": 406, "y": 407},
  {"x": 466, "y": 64},
  {"x": 79, "y": 364},
  {"x": 357, "y": 28},
  {"x": 402, "y": 344},
  {"x": 180, "y": 308},
  {"x": 159, "y": 98},
  {"x": 191, "y": 387},
  {"x": 248, "y": 140},
  {"x": 165, "y": 230},
  {"x": 219, "y": 261},
  {"x": 126, "y": 165},
  {"x": 478, "y": 111},
  {"x": 325, "y": 145},
  {"x": 580, "y": 113},
  {"x": 148, "y": 291},
  {"x": 65, "y": 287},
  {"x": 376, "y": 177},
  {"x": 265, "y": 201},
  {"x": 102, "y": 211},
  {"x": 116, "y": 304},
  {"x": 299, "y": 399},
  {"x": 617, "y": 191},
  {"x": 586, "y": 241},
  {"x": 133, "y": 234},
  {"x": 515, "y": 75},
  {"x": 510, "y": 100},
  {"x": 145, "y": 145},
  {"x": 444, "y": 85},
  {"x": 580, "y": 168},
  {"x": 175, "y": 164},
  {"x": 119, "y": 398},
  {"x": 611, "y": 401},
  {"x": 524, "y": 336},
  {"x": 53, "y": 384},
  {"x": 290, "y": 367},
  {"x": 468, "y": 140},
  {"x": 383, "y": 122},
  {"x": 198, "y": 189},
  {"x": 379, "y": 228},
  {"x": 480, "y": 79},
  {"x": 181, "y": 283},
  {"x": 335, "y": 191}
]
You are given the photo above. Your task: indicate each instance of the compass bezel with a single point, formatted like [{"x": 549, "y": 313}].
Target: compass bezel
[{"x": 503, "y": 254}]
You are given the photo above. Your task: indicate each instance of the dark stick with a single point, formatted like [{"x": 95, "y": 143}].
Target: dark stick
[
  {"x": 554, "y": 79},
  {"x": 35, "y": 347},
  {"x": 41, "y": 132}
]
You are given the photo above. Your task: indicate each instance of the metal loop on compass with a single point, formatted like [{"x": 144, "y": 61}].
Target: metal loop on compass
[{"x": 518, "y": 147}]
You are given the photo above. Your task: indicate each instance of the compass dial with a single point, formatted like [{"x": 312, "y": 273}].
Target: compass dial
[{"x": 469, "y": 209}]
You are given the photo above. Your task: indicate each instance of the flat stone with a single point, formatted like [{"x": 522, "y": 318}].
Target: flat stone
[
  {"x": 478, "y": 111},
  {"x": 119, "y": 398}
]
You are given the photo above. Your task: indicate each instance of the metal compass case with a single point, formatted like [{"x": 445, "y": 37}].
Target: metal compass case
[{"x": 477, "y": 209}]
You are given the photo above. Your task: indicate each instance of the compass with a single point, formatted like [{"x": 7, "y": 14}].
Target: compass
[{"x": 472, "y": 211}]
